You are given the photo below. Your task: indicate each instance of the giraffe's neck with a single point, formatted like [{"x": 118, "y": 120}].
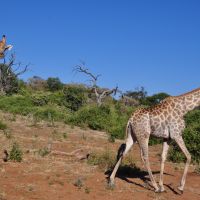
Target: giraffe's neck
[{"x": 191, "y": 100}]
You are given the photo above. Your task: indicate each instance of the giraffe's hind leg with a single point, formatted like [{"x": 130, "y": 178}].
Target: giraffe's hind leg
[
  {"x": 144, "y": 147},
  {"x": 123, "y": 150},
  {"x": 163, "y": 158},
  {"x": 179, "y": 140}
]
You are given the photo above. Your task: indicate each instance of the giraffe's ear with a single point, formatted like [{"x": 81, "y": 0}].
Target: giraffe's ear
[
  {"x": 9, "y": 47},
  {"x": 4, "y": 38}
]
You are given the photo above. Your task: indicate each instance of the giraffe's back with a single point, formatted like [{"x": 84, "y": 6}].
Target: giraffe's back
[{"x": 153, "y": 120}]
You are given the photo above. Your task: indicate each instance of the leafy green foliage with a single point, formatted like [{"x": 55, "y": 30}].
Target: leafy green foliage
[
  {"x": 104, "y": 117},
  {"x": 54, "y": 84},
  {"x": 43, "y": 152},
  {"x": 40, "y": 99},
  {"x": 17, "y": 104},
  {"x": 191, "y": 137},
  {"x": 75, "y": 105},
  {"x": 79, "y": 183},
  {"x": 15, "y": 153},
  {"x": 38, "y": 105},
  {"x": 104, "y": 160},
  {"x": 3, "y": 126},
  {"x": 154, "y": 99},
  {"x": 37, "y": 83},
  {"x": 8, "y": 81},
  {"x": 138, "y": 94},
  {"x": 74, "y": 96},
  {"x": 50, "y": 113},
  {"x": 154, "y": 141},
  {"x": 111, "y": 138}
]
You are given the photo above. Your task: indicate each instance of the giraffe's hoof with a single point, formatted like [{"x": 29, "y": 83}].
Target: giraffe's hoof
[
  {"x": 159, "y": 190},
  {"x": 180, "y": 189},
  {"x": 111, "y": 185}
]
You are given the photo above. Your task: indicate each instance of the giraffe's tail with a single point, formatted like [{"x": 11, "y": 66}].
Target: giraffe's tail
[
  {"x": 127, "y": 129},
  {"x": 130, "y": 130}
]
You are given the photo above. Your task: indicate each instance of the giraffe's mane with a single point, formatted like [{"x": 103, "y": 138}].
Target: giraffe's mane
[{"x": 191, "y": 92}]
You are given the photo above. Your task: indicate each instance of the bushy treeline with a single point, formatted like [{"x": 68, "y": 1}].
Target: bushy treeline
[
  {"x": 75, "y": 104},
  {"x": 191, "y": 137}
]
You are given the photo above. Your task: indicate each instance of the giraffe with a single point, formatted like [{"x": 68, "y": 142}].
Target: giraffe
[
  {"x": 165, "y": 120},
  {"x": 4, "y": 47}
]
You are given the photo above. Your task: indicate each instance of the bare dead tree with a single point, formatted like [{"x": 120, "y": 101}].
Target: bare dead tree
[
  {"x": 9, "y": 72},
  {"x": 100, "y": 95}
]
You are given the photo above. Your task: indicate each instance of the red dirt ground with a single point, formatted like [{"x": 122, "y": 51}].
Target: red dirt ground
[{"x": 53, "y": 176}]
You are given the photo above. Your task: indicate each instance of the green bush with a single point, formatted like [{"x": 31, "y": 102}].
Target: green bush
[
  {"x": 104, "y": 160},
  {"x": 56, "y": 98},
  {"x": 16, "y": 153},
  {"x": 9, "y": 81},
  {"x": 43, "y": 152},
  {"x": 75, "y": 96},
  {"x": 54, "y": 84},
  {"x": 39, "y": 105},
  {"x": 17, "y": 104},
  {"x": 40, "y": 99},
  {"x": 3, "y": 126},
  {"x": 154, "y": 99},
  {"x": 104, "y": 117},
  {"x": 97, "y": 118},
  {"x": 154, "y": 141},
  {"x": 191, "y": 137},
  {"x": 50, "y": 113}
]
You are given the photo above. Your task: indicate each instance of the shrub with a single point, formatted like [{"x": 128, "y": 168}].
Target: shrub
[
  {"x": 37, "y": 83},
  {"x": 154, "y": 99},
  {"x": 17, "y": 104},
  {"x": 191, "y": 137},
  {"x": 65, "y": 135},
  {"x": 97, "y": 118},
  {"x": 15, "y": 153},
  {"x": 104, "y": 117},
  {"x": 9, "y": 81},
  {"x": 56, "y": 98},
  {"x": 3, "y": 126},
  {"x": 154, "y": 141},
  {"x": 104, "y": 160},
  {"x": 54, "y": 84},
  {"x": 43, "y": 152},
  {"x": 79, "y": 183},
  {"x": 50, "y": 113},
  {"x": 75, "y": 96},
  {"x": 111, "y": 138},
  {"x": 107, "y": 159},
  {"x": 40, "y": 99}
]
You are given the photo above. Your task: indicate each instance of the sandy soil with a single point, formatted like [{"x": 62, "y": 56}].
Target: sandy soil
[{"x": 55, "y": 176}]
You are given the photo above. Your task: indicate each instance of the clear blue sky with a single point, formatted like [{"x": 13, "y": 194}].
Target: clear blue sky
[{"x": 150, "y": 43}]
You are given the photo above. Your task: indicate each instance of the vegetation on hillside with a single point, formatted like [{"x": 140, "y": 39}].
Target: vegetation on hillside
[{"x": 77, "y": 104}]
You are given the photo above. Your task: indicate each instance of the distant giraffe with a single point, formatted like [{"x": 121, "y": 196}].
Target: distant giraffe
[
  {"x": 164, "y": 120},
  {"x": 4, "y": 47}
]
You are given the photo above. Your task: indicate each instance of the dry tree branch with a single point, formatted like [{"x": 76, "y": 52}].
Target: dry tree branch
[
  {"x": 9, "y": 71},
  {"x": 99, "y": 95},
  {"x": 84, "y": 70}
]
